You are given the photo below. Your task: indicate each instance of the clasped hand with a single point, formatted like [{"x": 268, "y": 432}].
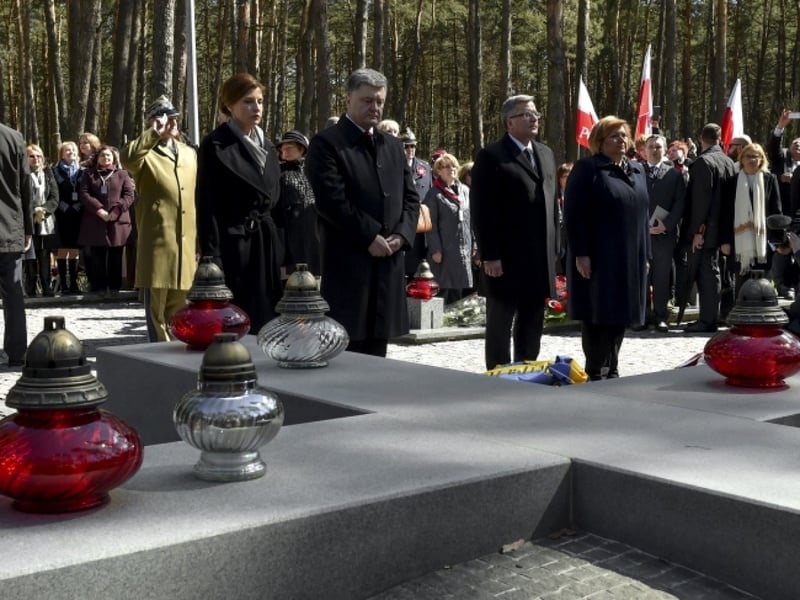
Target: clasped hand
[{"x": 382, "y": 246}]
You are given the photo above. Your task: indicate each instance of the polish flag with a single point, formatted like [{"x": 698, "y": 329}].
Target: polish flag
[
  {"x": 732, "y": 121},
  {"x": 645, "y": 112},
  {"x": 586, "y": 116}
]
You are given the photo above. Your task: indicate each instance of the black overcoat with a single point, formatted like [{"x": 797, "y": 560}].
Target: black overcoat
[
  {"x": 515, "y": 219},
  {"x": 235, "y": 201},
  {"x": 708, "y": 178},
  {"x": 606, "y": 213},
  {"x": 68, "y": 214},
  {"x": 362, "y": 191}
]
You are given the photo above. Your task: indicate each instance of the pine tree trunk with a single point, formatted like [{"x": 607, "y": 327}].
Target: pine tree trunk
[
  {"x": 56, "y": 73},
  {"x": 475, "y": 71},
  {"x": 557, "y": 91},
  {"x": 120, "y": 81},
  {"x": 163, "y": 49}
]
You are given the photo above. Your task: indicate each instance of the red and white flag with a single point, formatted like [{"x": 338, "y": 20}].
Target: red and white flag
[
  {"x": 645, "y": 112},
  {"x": 586, "y": 116},
  {"x": 732, "y": 121}
]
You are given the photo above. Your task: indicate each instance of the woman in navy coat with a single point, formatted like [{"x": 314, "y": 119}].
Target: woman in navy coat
[
  {"x": 237, "y": 190},
  {"x": 606, "y": 216}
]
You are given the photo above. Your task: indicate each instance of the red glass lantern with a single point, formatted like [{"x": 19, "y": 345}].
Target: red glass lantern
[
  {"x": 209, "y": 311},
  {"x": 422, "y": 286},
  {"x": 60, "y": 452},
  {"x": 757, "y": 351}
]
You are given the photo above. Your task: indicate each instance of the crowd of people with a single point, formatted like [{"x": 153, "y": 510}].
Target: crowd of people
[{"x": 635, "y": 227}]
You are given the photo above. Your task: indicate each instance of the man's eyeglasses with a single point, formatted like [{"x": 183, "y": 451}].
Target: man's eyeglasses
[{"x": 528, "y": 115}]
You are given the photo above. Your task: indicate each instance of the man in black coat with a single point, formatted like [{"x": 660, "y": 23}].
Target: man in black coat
[
  {"x": 16, "y": 231},
  {"x": 700, "y": 230},
  {"x": 514, "y": 217},
  {"x": 667, "y": 191},
  {"x": 368, "y": 210}
]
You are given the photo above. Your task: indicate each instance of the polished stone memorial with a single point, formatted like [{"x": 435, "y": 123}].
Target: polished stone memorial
[{"x": 411, "y": 468}]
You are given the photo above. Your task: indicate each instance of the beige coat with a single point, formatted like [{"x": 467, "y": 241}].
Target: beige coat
[{"x": 165, "y": 211}]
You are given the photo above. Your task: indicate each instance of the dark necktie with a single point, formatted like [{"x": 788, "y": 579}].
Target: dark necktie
[
  {"x": 531, "y": 159},
  {"x": 370, "y": 138}
]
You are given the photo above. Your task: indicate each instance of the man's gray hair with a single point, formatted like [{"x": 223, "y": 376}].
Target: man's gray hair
[
  {"x": 658, "y": 137},
  {"x": 369, "y": 77},
  {"x": 510, "y": 104}
]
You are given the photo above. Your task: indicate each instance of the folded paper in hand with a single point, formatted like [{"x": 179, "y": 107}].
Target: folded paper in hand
[{"x": 659, "y": 214}]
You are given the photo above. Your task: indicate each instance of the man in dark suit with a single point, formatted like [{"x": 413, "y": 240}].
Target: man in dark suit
[
  {"x": 515, "y": 220},
  {"x": 368, "y": 211},
  {"x": 700, "y": 230},
  {"x": 16, "y": 231},
  {"x": 667, "y": 189}
]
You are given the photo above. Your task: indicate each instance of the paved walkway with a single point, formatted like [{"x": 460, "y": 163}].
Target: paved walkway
[
  {"x": 568, "y": 568},
  {"x": 571, "y": 567}
]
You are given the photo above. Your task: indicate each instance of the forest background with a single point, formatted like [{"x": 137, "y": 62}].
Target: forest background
[{"x": 94, "y": 65}]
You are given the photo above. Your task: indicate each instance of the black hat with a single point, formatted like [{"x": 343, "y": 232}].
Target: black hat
[
  {"x": 408, "y": 138},
  {"x": 161, "y": 106},
  {"x": 294, "y": 137}
]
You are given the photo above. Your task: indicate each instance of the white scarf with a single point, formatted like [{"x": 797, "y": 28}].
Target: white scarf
[
  {"x": 750, "y": 221},
  {"x": 37, "y": 188}
]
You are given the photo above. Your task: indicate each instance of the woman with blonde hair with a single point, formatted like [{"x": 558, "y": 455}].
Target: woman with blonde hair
[
  {"x": 67, "y": 173},
  {"x": 390, "y": 126},
  {"x": 752, "y": 196},
  {"x": 44, "y": 202},
  {"x": 88, "y": 145},
  {"x": 450, "y": 243},
  {"x": 606, "y": 214}
]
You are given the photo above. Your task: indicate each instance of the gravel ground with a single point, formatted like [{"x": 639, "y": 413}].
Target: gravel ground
[{"x": 107, "y": 324}]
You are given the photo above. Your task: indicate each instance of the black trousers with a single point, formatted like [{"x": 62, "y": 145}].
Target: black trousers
[
  {"x": 601, "y": 344},
  {"x": 659, "y": 274},
  {"x": 709, "y": 285},
  {"x": 373, "y": 347},
  {"x": 501, "y": 326},
  {"x": 15, "y": 336},
  {"x": 107, "y": 268}
]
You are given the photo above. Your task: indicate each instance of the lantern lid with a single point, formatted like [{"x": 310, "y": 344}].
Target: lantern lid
[
  {"x": 227, "y": 360},
  {"x": 757, "y": 304},
  {"x": 56, "y": 372},
  {"x": 209, "y": 282},
  {"x": 301, "y": 295},
  {"x": 423, "y": 271}
]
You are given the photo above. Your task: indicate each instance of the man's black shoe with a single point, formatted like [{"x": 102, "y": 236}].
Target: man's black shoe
[
  {"x": 700, "y": 327},
  {"x": 662, "y": 327}
]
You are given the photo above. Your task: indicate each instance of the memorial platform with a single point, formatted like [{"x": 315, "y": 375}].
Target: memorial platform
[{"x": 410, "y": 468}]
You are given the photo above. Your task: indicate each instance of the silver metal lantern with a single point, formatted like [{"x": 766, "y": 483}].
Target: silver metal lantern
[{"x": 229, "y": 416}]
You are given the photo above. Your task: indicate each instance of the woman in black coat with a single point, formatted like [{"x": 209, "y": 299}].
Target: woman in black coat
[
  {"x": 68, "y": 173},
  {"x": 237, "y": 190},
  {"x": 608, "y": 241}
]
